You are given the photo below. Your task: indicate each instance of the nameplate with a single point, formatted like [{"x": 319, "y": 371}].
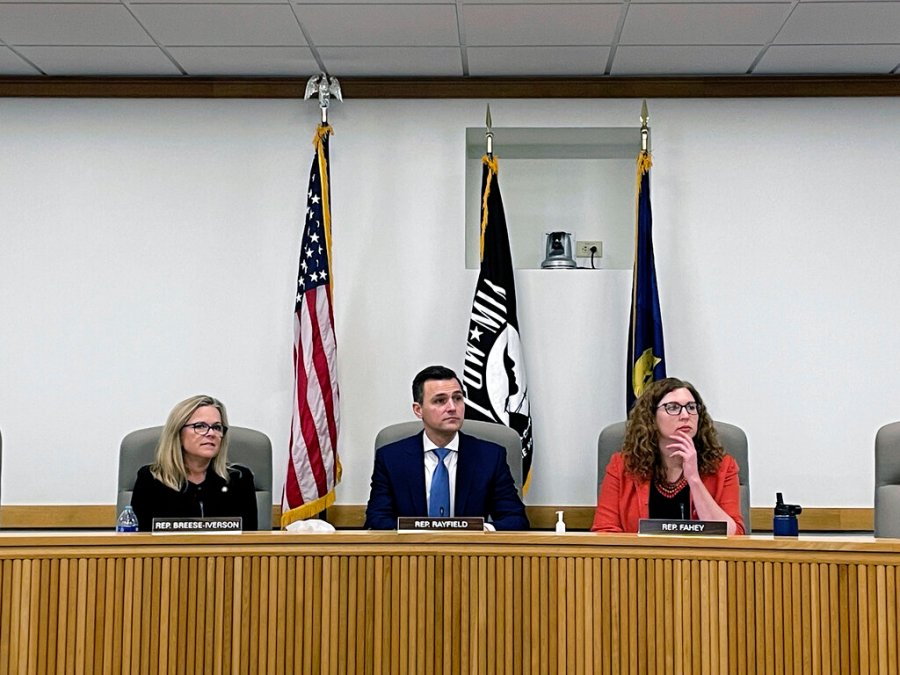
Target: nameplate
[
  {"x": 716, "y": 528},
  {"x": 197, "y": 525},
  {"x": 440, "y": 524}
]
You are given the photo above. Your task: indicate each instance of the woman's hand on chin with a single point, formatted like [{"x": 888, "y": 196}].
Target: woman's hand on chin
[{"x": 682, "y": 446}]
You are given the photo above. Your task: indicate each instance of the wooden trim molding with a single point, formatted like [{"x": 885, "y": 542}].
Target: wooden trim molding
[
  {"x": 747, "y": 86},
  {"x": 352, "y": 516}
]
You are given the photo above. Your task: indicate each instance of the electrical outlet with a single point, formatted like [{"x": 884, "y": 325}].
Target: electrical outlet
[{"x": 583, "y": 249}]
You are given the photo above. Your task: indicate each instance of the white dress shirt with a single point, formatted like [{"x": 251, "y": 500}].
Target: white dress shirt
[{"x": 431, "y": 461}]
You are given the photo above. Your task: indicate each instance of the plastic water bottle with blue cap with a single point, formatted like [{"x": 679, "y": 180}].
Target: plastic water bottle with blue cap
[{"x": 127, "y": 521}]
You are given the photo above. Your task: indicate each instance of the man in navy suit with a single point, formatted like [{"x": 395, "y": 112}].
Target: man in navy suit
[{"x": 480, "y": 483}]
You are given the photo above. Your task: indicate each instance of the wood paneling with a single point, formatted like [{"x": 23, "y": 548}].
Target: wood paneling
[
  {"x": 459, "y": 87},
  {"x": 369, "y": 602}
]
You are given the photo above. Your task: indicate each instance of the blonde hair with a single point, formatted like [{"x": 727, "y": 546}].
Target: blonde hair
[{"x": 168, "y": 467}]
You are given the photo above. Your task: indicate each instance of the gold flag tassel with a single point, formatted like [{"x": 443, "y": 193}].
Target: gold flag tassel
[
  {"x": 644, "y": 162},
  {"x": 491, "y": 162},
  {"x": 322, "y": 132}
]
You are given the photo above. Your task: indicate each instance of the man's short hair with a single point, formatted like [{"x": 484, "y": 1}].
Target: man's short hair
[{"x": 431, "y": 373}]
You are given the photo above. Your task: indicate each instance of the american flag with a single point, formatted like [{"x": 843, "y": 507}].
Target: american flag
[{"x": 313, "y": 466}]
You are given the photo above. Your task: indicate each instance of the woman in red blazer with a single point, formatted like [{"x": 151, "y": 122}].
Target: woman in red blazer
[{"x": 671, "y": 465}]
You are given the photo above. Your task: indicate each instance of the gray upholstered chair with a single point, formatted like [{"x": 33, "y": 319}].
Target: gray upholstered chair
[
  {"x": 245, "y": 446},
  {"x": 887, "y": 481},
  {"x": 733, "y": 439},
  {"x": 489, "y": 431}
]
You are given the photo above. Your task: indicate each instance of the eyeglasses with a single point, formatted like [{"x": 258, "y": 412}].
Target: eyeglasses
[
  {"x": 673, "y": 408},
  {"x": 202, "y": 428}
]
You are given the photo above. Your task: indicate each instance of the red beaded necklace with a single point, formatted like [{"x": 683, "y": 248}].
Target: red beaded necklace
[{"x": 669, "y": 490}]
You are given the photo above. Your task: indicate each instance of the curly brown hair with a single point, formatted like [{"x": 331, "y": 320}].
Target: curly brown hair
[{"x": 641, "y": 446}]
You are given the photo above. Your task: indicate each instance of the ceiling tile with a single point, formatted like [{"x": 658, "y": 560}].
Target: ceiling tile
[
  {"x": 392, "y": 61},
  {"x": 684, "y": 60},
  {"x": 702, "y": 24},
  {"x": 371, "y": 25},
  {"x": 448, "y": 38},
  {"x": 530, "y": 25},
  {"x": 829, "y": 59},
  {"x": 221, "y": 25},
  {"x": 541, "y": 2},
  {"x": 843, "y": 23},
  {"x": 11, "y": 64},
  {"x": 537, "y": 61},
  {"x": 207, "y": 2},
  {"x": 64, "y": 2},
  {"x": 306, "y": 3},
  {"x": 700, "y": 2},
  {"x": 101, "y": 61},
  {"x": 246, "y": 61},
  {"x": 70, "y": 24}
]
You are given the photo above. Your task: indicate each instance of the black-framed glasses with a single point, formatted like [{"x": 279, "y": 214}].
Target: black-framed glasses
[
  {"x": 672, "y": 408},
  {"x": 202, "y": 428}
]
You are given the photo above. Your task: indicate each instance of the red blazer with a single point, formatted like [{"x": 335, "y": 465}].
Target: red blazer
[{"x": 624, "y": 500}]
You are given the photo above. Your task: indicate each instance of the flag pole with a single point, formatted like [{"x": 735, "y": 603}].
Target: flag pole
[
  {"x": 646, "y": 355},
  {"x": 488, "y": 133},
  {"x": 314, "y": 467},
  {"x": 498, "y": 395},
  {"x": 491, "y": 163}
]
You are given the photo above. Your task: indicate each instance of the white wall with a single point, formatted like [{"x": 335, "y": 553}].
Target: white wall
[
  {"x": 592, "y": 199},
  {"x": 148, "y": 252}
]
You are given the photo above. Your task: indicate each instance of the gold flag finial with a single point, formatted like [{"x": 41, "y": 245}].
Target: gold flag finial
[{"x": 645, "y": 128}]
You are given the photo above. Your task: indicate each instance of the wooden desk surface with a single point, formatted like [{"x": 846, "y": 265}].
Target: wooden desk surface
[
  {"x": 14, "y": 539},
  {"x": 382, "y": 602}
]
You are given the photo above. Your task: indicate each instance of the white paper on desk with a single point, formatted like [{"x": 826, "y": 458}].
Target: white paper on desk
[{"x": 311, "y": 525}]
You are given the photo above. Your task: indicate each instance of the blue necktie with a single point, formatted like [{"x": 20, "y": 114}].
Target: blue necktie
[{"x": 439, "y": 507}]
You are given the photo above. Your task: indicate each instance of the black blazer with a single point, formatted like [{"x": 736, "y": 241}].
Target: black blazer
[{"x": 213, "y": 497}]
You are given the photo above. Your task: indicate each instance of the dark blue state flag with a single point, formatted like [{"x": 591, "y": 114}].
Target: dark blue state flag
[
  {"x": 494, "y": 369},
  {"x": 646, "y": 355}
]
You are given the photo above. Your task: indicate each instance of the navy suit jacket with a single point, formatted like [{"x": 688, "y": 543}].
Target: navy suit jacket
[{"x": 484, "y": 484}]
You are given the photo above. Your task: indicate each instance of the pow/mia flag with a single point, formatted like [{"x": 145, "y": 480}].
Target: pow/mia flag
[{"x": 494, "y": 371}]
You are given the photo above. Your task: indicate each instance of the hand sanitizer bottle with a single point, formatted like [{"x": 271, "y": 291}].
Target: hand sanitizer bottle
[{"x": 560, "y": 523}]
